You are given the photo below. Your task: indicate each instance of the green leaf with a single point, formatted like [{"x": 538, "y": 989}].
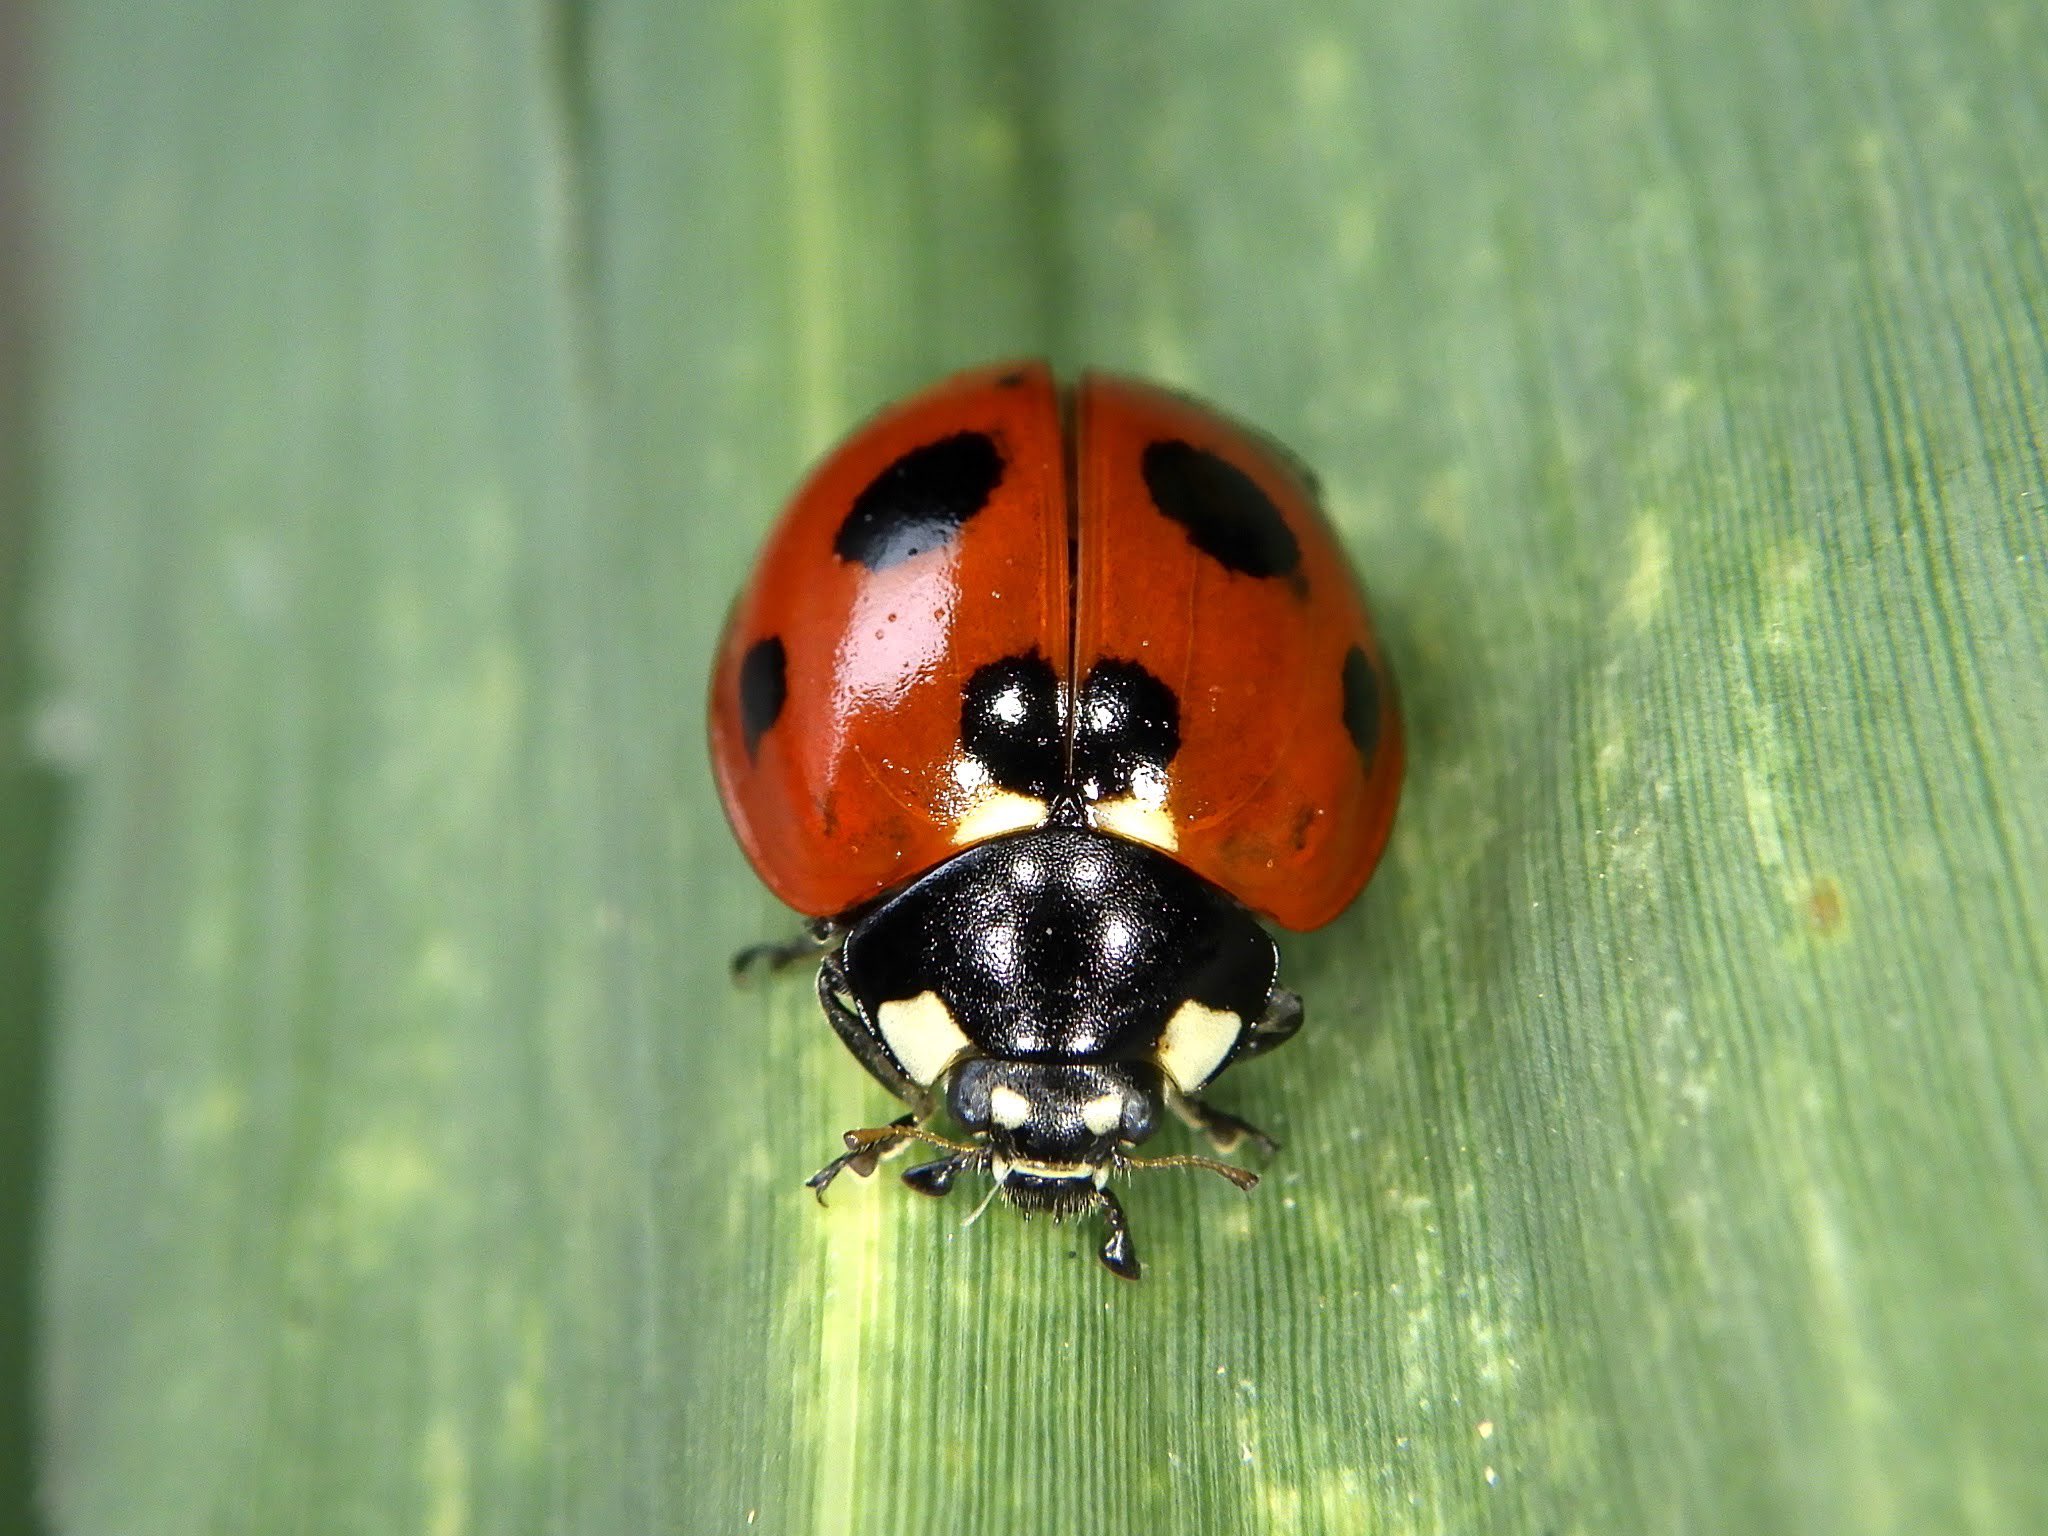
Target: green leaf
[
  {"x": 1668, "y": 1146},
  {"x": 26, "y": 833}
]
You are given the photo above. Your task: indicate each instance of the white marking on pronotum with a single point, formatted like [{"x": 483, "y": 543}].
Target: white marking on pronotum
[
  {"x": 921, "y": 1034},
  {"x": 1103, "y": 1115},
  {"x": 1008, "y": 1107},
  {"x": 994, "y": 812},
  {"x": 1195, "y": 1042}
]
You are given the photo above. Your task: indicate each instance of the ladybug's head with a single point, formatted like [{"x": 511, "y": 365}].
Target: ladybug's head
[{"x": 1053, "y": 1132}]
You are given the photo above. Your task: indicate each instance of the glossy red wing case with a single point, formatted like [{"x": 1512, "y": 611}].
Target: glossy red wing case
[
  {"x": 1204, "y": 558},
  {"x": 1206, "y": 671},
  {"x": 835, "y": 702}
]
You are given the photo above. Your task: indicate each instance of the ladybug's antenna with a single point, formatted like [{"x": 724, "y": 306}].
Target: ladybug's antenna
[
  {"x": 1243, "y": 1178},
  {"x": 860, "y": 1141}
]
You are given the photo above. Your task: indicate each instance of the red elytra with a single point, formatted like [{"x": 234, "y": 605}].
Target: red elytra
[{"x": 1133, "y": 526}]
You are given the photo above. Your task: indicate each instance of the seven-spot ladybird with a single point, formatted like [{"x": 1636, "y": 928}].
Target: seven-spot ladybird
[{"x": 1037, "y": 701}]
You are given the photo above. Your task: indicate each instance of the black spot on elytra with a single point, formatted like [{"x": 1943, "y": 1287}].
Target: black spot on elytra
[
  {"x": 1129, "y": 719},
  {"x": 1361, "y": 703},
  {"x": 764, "y": 689},
  {"x": 921, "y": 502},
  {"x": 1225, "y": 514},
  {"x": 1013, "y": 723}
]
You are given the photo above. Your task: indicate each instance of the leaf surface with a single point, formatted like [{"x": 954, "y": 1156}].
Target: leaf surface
[{"x": 1667, "y": 1148}]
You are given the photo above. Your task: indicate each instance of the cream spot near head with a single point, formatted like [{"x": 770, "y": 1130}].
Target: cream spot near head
[
  {"x": 1007, "y": 1107},
  {"x": 1194, "y": 1043},
  {"x": 1129, "y": 816},
  {"x": 921, "y": 1034},
  {"x": 994, "y": 812},
  {"x": 1103, "y": 1115}
]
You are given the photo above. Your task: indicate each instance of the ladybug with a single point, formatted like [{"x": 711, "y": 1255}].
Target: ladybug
[{"x": 1037, "y": 703}]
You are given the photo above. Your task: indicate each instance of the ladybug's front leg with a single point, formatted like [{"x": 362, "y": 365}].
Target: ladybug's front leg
[
  {"x": 1119, "y": 1255},
  {"x": 862, "y": 1158},
  {"x": 852, "y": 1027},
  {"x": 1225, "y": 1131}
]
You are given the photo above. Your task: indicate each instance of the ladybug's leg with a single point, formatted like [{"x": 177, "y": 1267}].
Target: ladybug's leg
[
  {"x": 1282, "y": 1019},
  {"x": 852, "y": 1027},
  {"x": 936, "y": 1177},
  {"x": 1117, "y": 1253},
  {"x": 1225, "y": 1131},
  {"x": 819, "y": 933},
  {"x": 862, "y": 1161}
]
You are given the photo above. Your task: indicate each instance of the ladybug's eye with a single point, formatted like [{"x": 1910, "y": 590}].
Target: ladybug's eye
[
  {"x": 967, "y": 1097},
  {"x": 1140, "y": 1117}
]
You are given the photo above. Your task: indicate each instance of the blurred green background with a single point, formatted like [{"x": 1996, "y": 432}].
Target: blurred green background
[
  {"x": 27, "y": 809},
  {"x": 1668, "y": 1146}
]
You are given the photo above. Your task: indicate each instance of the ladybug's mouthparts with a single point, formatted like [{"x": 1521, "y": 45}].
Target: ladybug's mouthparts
[{"x": 1059, "y": 1190}]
